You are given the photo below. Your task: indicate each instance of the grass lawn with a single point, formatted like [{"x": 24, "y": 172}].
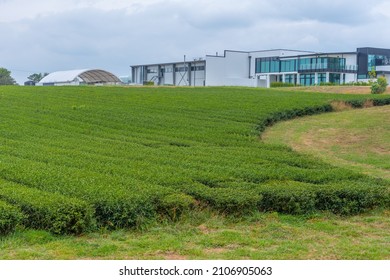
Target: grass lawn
[
  {"x": 355, "y": 139},
  {"x": 207, "y": 235}
]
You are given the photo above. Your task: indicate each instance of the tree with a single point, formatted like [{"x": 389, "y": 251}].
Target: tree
[
  {"x": 372, "y": 73},
  {"x": 5, "y": 77},
  {"x": 36, "y": 77},
  {"x": 379, "y": 86}
]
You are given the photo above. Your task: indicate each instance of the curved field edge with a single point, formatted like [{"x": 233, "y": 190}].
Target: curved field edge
[
  {"x": 208, "y": 157},
  {"x": 357, "y": 140}
]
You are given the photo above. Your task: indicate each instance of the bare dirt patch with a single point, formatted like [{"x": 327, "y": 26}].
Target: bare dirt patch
[
  {"x": 337, "y": 89},
  {"x": 339, "y": 106}
]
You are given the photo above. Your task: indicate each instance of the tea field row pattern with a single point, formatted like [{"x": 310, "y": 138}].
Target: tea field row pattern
[{"x": 76, "y": 158}]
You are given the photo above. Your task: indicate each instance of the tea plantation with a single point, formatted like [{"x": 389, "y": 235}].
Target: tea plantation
[{"x": 73, "y": 159}]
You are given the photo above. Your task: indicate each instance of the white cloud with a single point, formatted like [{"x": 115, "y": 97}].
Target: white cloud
[{"x": 44, "y": 36}]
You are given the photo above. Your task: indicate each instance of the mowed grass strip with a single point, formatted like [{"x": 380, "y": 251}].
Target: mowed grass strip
[
  {"x": 127, "y": 152},
  {"x": 207, "y": 235},
  {"x": 355, "y": 139}
]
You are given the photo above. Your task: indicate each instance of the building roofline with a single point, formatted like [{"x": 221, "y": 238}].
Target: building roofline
[
  {"x": 248, "y": 52},
  {"x": 169, "y": 63},
  {"x": 320, "y": 54}
]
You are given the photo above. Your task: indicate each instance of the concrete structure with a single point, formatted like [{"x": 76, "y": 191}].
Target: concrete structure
[
  {"x": 261, "y": 68},
  {"x": 174, "y": 73},
  {"x": 78, "y": 77}
]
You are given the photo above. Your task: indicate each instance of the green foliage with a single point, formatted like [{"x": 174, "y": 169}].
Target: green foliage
[
  {"x": 49, "y": 211},
  {"x": 148, "y": 83},
  {"x": 130, "y": 155},
  {"x": 293, "y": 113},
  {"x": 281, "y": 84},
  {"x": 36, "y": 77},
  {"x": 174, "y": 205},
  {"x": 379, "y": 86},
  {"x": 372, "y": 73},
  {"x": 225, "y": 200},
  {"x": 5, "y": 77},
  {"x": 10, "y": 217},
  {"x": 358, "y": 83},
  {"x": 288, "y": 197},
  {"x": 348, "y": 198}
]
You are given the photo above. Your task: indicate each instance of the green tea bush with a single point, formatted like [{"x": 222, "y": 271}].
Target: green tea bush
[
  {"x": 131, "y": 155},
  {"x": 175, "y": 204},
  {"x": 148, "y": 83},
  {"x": 225, "y": 200},
  {"x": 381, "y": 102},
  {"x": 119, "y": 209},
  {"x": 359, "y": 83},
  {"x": 53, "y": 212},
  {"x": 349, "y": 198},
  {"x": 292, "y": 113},
  {"x": 379, "y": 86},
  {"x": 10, "y": 217},
  {"x": 281, "y": 84},
  {"x": 287, "y": 197}
]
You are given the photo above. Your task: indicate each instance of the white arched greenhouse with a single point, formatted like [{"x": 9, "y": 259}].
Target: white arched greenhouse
[{"x": 80, "y": 77}]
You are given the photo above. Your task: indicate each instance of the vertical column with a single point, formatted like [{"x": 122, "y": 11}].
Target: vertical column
[
  {"x": 159, "y": 75},
  {"x": 189, "y": 74},
  {"x": 316, "y": 78},
  {"x": 174, "y": 74},
  {"x": 145, "y": 74},
  {"x": 268, "y": 79},
  {"x": 298, "y": 79},
  {"x": 327, "y": 77},
  {"x": 283, "y": 78}
]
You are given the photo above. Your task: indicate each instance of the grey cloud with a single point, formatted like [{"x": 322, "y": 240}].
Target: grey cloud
[{"x": 113, "y": 40}]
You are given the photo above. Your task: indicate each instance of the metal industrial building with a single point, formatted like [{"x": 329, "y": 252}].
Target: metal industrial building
[
  {"x": 260, "y": 68},
  {"x": 78, "y": 77}
]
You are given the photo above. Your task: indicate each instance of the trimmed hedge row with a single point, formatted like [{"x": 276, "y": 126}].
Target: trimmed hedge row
[
  {"x": 226, "y": 200},
  {"x": 10, "y": 217},
  {"x": 290, "y": 114},
  {"x": 344, "y": 198},
  {"x": 115, "y": 206},
  {"x": 292, "y": 197},
  {"x": 49, "y": 211},
  {"x": 381, "y": 102},
  {"x": 307, "y": 111},
  {"x": 121, "y": 208}
]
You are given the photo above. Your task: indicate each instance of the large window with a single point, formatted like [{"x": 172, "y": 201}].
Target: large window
[
  {"x": 267, "y": 65},
  {"x": 307, "y": 79},
  {"x": 334, "y": 78},
  {"x": 377, "y": 60},
  {"x": 288, "y": 65},
  {"x": 321, "y": 78},
  {"x": 322, "y": 63},
  {"x": 306, "y": 64},
  {"x": 290, "y": 78}
]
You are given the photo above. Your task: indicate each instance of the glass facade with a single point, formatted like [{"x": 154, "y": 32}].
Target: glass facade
[
  {"x": 371, "y": 57},
  {"x": 377, "y": 60},
  {"x": 307, "y": 79},
  {"x": 322, "y": 63},
  {"x": 288, "y": 65},
  {"x": 267, "y": 65},
  {"x": 321, "y": 78},
  {"x": 334, "y": 78},
  {"x": 290, "y": 78},
  {"x": 325, "y": 64}
]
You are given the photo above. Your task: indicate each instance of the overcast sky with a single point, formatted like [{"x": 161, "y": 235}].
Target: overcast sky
[{"x": 53, "y": 35}]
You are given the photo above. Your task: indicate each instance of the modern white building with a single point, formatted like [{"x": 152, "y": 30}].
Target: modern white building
[
  {"x": 261, "y": 68},
  {"x": 79, "y": 77}
]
